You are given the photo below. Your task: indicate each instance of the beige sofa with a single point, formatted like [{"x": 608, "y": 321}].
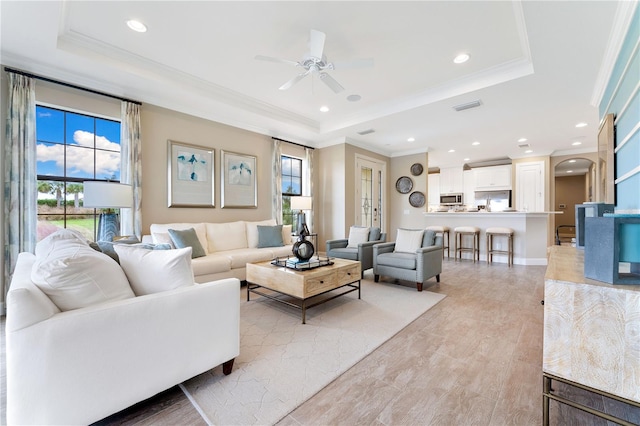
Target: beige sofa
[{"x": 229, "y": 246}]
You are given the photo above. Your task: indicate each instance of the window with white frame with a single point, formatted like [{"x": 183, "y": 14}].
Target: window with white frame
[{"x": 291, "y": 186}]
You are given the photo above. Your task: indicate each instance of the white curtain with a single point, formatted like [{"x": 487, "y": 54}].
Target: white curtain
[
  {"x": 308, "y": 158},
  {"x": 131, "y": 167},
  {"x": 20, "y": 186},
  {"x": 276, "y": 200}
]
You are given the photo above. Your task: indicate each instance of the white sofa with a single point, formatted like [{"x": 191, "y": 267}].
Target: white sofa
[
  {"x": 81, "y": 365},
  {"x": 229, "y": 246}
]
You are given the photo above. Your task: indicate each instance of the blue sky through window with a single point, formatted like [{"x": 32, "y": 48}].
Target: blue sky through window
[{"x": 76, "y": 146}]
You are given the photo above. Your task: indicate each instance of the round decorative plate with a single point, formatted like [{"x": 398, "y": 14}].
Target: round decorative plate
[
  {"x": 404, "y": 185},
  {"x": 416, "y": 199},
  {"x": 416, "y": 169}
]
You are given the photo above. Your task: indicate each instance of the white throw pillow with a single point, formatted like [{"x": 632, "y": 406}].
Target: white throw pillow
[
  {"x": 357, "y": 235},
  {"x": 409, "y": 240},
  {"x": 74, "y": 275},
  {"x": 154, "y": 271},
  {"x": 252, "y": 231},
  {"x": 286, "y": 234}
]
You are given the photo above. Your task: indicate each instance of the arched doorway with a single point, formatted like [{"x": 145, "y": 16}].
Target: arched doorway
[{"x": 575, "y": 180}]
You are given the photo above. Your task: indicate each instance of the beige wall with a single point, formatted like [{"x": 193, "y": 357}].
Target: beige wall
[
  {"x": 160, "y": 125},
  {"x": 402, "y": 214}
]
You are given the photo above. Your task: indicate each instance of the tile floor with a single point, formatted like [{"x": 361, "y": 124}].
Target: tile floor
[{"x": 473, "y": 359}]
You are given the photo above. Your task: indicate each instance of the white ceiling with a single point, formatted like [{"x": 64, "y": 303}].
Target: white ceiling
[{"x": 536, "y": 66}]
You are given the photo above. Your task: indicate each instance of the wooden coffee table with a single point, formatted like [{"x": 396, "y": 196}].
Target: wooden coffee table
[{"x": 303, "y": 285}]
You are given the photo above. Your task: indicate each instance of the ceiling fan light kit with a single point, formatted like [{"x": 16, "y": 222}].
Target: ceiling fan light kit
[{"x": 315, "y": 62}]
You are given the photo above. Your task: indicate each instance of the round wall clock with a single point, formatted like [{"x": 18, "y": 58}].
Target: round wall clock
[
  {"x": 416, "y": 169},
  {"x": 303, "y": 250},
  {"x": 404, "y": 185}
]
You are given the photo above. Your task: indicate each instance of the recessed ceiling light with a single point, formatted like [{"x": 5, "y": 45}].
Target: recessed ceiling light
[
  {"x": 572, "y": 161},
  {"x": 576, "y": 143},
  {"x": 475, "y": 143},
  {"x": 569, "y": 171},
  {"x": 452, "y": 150},
  {"x": 324, "y": 108},
  {"x": 522, "y": 140},
  {"x": 466, "y": 159},
  {"x": 136, "y": 26},
  {"x": 411, "y": 140},
  {"x": 461, "y": 58},
  {"x": 581, "y": 125},
  {"x": 529, "y": 151},
  {"x": 354, "y": 98}
]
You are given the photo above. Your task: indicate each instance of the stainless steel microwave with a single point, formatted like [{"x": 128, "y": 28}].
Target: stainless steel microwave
[{"x": 454, "y": 199}]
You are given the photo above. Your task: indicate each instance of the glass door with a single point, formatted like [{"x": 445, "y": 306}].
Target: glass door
[{"x": 370, "y": 184}]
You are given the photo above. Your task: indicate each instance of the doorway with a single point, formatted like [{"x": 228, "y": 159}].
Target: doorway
[
  {"x": 575, "y": 181},
  {"x": 370, "y": 178}
]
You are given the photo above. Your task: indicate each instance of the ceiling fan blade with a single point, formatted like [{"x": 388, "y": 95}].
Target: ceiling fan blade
[
  {"x": 316, "y": 43},
  {"x": 293, "y": 81},
  {"x": 356, "y": 63},
  {"x": 277, "y": 60},
  {"x": 331, "y": 82}
]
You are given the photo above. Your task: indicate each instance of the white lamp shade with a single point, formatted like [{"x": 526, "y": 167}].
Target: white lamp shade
[
  {"x": 107, "y": 195},
  {"x": 301, "y": 203}
]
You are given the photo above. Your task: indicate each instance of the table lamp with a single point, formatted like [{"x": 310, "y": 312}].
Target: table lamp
[
  {"x": 107, "y": 195},
  {"x": 301, "y": 203}
]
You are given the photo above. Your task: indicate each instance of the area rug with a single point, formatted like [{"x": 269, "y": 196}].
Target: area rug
[{"x": 283, "y": 362}]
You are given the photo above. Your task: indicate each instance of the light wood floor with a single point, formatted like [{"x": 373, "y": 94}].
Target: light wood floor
[{"x": 473, "y": 359}]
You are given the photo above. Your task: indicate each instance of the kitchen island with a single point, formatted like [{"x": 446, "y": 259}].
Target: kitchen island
[{"x": 531, "y": 236}]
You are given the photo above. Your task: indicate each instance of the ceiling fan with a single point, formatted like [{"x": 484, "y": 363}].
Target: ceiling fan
[{"x": 315, "y": 62}]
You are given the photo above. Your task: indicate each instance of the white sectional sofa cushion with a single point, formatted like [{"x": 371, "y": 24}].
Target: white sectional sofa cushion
[
  {"x": 160, "y": 232},
  {"x": 229, "y": 245}
]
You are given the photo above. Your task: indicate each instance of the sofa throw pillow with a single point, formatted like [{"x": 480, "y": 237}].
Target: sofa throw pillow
[
  {"x": 157, "y": 230},
  {"x": 374, "y": 234},
  {"x": 286, "y": 234},
  {"x": 163, "y": 238},
  {"x": 73, "y": 275},
  {"x": 408, "y": 240},
  {"x": 270, "y": 236},
  {"x": 187, "y": 238},
  {"x": 252, "y": 231},
  {"x": 357, "y": 235},
  {"x": 155, "y": 271},
  {"x": 106, "y": 247}
]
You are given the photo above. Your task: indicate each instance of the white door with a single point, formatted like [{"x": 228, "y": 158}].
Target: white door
[
  {"x": 370, "y": 178},
  {"x": 530, "y": 186}
]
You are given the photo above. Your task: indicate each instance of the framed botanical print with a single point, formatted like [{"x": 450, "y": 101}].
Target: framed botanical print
[
  {"x": 191, "y": 175},
  {"x": 239, "y": 183}
]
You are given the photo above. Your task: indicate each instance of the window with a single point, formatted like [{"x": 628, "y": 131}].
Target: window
[
  {"x": 291, "y": 186},
  {"x": 71, "y": 148}
]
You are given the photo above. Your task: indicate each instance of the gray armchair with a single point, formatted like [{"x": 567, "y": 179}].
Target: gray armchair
[
  {"x": 418, "y": 267},
  {"x": 363, "y": 252}
]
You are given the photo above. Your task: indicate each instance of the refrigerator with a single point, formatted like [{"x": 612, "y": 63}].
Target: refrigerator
[{"x": 497, "y": 200}]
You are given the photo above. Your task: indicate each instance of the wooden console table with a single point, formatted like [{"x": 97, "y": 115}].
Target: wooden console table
[{"x": 591, "y": 334}]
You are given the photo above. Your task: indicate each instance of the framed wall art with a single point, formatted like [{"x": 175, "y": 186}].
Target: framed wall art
[
  {"x": 191, "y": 175},
  {"x": 239, "y": 187}
]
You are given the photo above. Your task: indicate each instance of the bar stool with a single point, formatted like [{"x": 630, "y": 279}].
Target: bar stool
[
  {"x": 459, "y": 233},
  {"x": 500, "y": 232},
  {"x": 443, "y": 230}
]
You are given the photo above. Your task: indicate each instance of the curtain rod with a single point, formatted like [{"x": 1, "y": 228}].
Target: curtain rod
[
  {"x": 73, "y": 86},
  {"x": 293, "y": 143}
]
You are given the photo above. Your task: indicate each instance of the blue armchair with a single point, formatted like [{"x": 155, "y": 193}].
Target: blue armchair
[
  {"x": 363, "y": 251},
  {"x": 418, "y": 266}
]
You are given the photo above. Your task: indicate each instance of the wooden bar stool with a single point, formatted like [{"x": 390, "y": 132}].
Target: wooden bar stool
[
  {"x": 443, "y": 230},
  {"x": 500, "y": 232},
  {"x": 459, "y": 233}
]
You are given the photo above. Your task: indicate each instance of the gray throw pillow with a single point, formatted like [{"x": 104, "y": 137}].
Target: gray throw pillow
[
  {"x": 429, "y": 238},
  {"x": 106, "y": 247},
  {"x": 374, "y": 234},
  {"x": 270, "y": 236},
  {"x": 187, "y": 238}
]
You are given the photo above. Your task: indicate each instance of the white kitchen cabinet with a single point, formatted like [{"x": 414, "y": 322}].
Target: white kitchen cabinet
[
  {"x": 493, "y": 178},
  {"x": 434, "y": 189},
  {"x": 451, "y": 180}
]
